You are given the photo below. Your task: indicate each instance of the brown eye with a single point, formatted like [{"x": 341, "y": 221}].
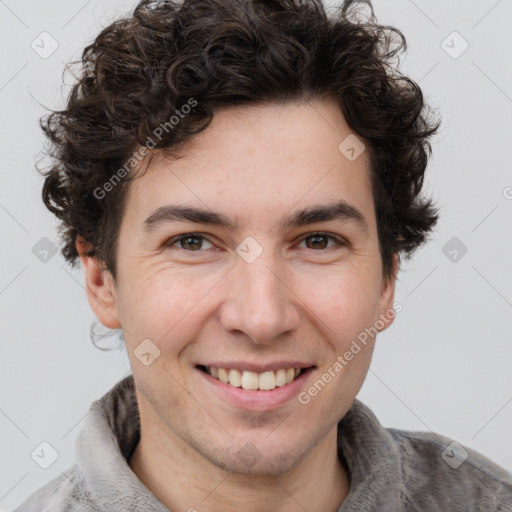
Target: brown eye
[
  {"x": 318, "y": 241},
  {"x": 189, "y": 242}
]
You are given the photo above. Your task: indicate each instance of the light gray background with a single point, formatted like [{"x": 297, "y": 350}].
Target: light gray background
[{"x": 445, "y": 364}]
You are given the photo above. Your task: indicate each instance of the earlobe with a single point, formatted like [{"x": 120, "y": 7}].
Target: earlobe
[{"x": 99, "y": 285}]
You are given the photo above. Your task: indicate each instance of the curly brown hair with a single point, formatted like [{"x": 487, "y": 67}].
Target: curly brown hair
[{"x": 144, "y": 68}]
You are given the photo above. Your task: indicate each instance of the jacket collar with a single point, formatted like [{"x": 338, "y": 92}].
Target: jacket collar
[{"x": 112, "y": 430}]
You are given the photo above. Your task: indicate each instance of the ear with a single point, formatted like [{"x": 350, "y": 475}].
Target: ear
[
  {"x": 99, "y": 285},
  {"x": 386, "y": 311}
]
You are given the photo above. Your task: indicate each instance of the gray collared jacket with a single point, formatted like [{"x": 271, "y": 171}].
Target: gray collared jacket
[{"x": 390, "y": 470}]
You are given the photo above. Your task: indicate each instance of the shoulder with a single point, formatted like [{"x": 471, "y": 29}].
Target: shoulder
[
  {"x": 416, "y": 471},
  {"x": 66, "y": 492},
  {"x": 437, "y": 470}
]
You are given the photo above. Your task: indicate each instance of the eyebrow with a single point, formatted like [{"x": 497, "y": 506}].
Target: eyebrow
[{"x": 340, "y": 210}]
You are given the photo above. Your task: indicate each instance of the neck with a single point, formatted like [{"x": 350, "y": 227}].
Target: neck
[{"x": 184, "y": 480}]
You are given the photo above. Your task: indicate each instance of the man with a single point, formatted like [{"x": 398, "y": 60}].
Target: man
[{"x": 239, "y": 180}]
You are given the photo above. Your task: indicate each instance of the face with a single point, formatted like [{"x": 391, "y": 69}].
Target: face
[{"x": 280, "y": 272}]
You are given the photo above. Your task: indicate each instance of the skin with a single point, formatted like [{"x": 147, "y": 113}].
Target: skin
[{"x": 202, "y": 302}]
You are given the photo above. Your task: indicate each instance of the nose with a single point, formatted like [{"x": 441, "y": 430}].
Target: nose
[{"x": 260, "y": 303}]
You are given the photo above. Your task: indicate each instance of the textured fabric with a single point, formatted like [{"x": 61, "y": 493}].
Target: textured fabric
[{"x": 390, "y": 470}]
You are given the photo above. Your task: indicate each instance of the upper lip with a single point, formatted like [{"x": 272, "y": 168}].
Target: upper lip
[{"x": 258, "y": 368}]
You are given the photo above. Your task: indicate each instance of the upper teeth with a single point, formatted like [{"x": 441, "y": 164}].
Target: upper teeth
[{"x": 252, "y": 380}]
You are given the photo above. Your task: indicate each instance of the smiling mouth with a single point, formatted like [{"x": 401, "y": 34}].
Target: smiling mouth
[{"x": 254, "y": 381}]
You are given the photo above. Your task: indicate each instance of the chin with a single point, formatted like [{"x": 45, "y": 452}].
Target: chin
[
  {"x": 260, "y": 457},
  {"x": 261, "y": 465}
]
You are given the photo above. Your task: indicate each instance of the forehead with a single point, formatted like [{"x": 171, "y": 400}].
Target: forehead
[{"x": 254, "y": 163}]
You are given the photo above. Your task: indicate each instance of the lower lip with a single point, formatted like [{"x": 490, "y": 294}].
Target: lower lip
[{"x": 258, "y": 400}]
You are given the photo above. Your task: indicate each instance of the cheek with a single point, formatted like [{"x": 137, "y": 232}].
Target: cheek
[
  {"x": 345, "y": 302},
  {"x": 162, "y": 305}
]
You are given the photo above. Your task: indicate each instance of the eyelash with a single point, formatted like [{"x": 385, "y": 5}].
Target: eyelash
[{"x": 340, "y": 242}]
